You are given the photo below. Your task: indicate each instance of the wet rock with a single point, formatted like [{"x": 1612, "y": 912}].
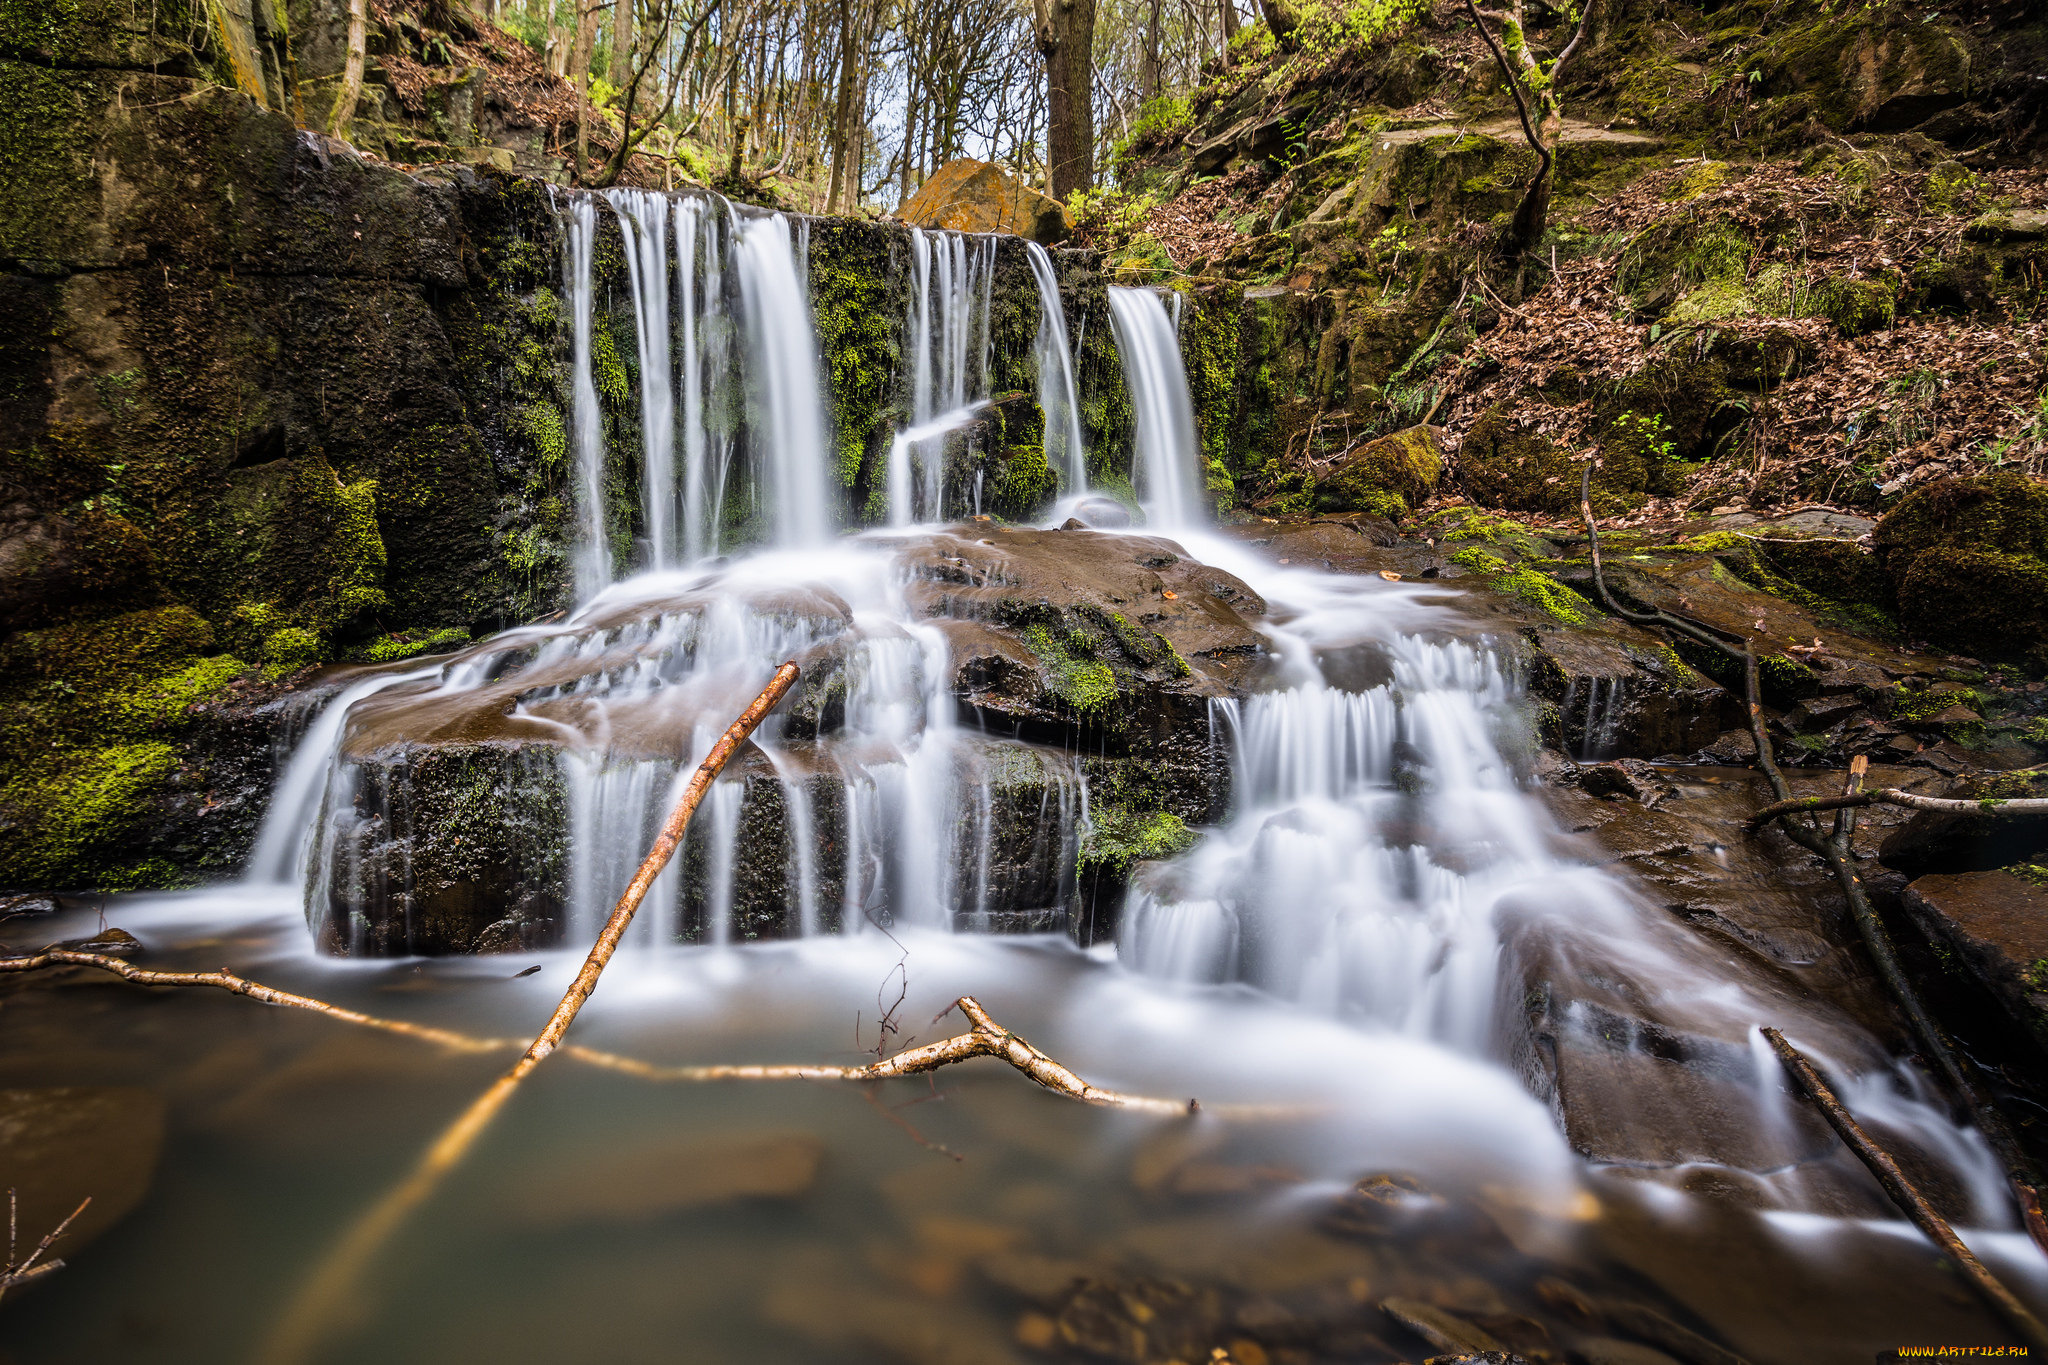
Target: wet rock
[
  {"x": 1142, "y": 1320},
  {"x": 450, "y": 848},
  {"x": 1736, "y": 748},
  {"x": 111, "y": 941},
  {"x": 1378, "y": 1205},
  {"x": 1627, "y": 777},
  {"x": 1996, "y": 927},
  {"x": 1818, "y": 713},
  {"x": 966, "y": 195},
  {"x": 1615, "y": 1351},
  {"x": 667, "y": 1177},
  {"x": 1100, "y": 514},
  {"x": 1445, "y": 1331},
  {"x": 61, "y": 1146}
]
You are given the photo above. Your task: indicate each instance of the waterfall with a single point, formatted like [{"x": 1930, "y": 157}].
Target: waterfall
[
  {"x": 1058, "y": 398},
  {"x": 586, "y": 422},
  {"x": 1379, "y": 862},
  {"x": 1168, "y": 458},
  {"x": 948, "y": 334},
  {"x": 783, "y": 349},
  {"x": 741, "y": 322},
  {"x": 643, "y": 221}
]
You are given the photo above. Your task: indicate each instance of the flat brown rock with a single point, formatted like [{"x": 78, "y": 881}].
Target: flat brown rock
[{"x": 1997, "y": 926}]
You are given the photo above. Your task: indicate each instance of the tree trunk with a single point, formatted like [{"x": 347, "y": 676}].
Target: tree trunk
[
  {"x": 1066, "y": 38},
  {"x": 344, "y": 111},
  {"x": 1229, "y": 27},
  {"x": 621, "y": 68},
  {"x": 557, "y": 51},
  {"x": 1148, "y": 71},
  {"x": 579, "y": 76},
  {"x": 842, "y": 113},
  {"x": 1281, "y": 19}
]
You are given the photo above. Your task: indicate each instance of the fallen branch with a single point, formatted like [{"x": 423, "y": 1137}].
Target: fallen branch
[
  {"x": 1834, "y": 849},
  {"x": 985, "y": 1039},
  {"x": 326, "y": 1297},
  {"x": 1892, "y": 796},
  {"x": 1910, "y": 1201}
]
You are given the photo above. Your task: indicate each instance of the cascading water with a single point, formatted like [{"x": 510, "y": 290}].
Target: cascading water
[
  {"x": 644, "y": 222},
  {"x": 1166, "y": 470},
  {"x": 593, "y": 556},
  {"x": 1058, "y": 398},
  {"x": 947, "y": 331},
  {"x": 783, "y": 347},
  {"x": 1381, "y": 869}
]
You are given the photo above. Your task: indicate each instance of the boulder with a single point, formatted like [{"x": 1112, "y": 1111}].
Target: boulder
[
  {"x": 979, "y": 196},
  {"x": 1386, "y": 476},
  {"x": 1967, "y": 560}
]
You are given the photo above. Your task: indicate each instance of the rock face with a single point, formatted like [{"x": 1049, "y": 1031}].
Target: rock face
[
  {"x": 1997, "y": 928},
  {"x": 980, "y": 196}
]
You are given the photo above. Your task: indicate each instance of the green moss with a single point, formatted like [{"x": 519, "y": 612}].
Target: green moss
[
  {"x": 607, "y": 371},
  {"x": 542, "y": 423},
  {"x": 1084, "y": 685},
  {"x": 1117, "y": 838},
  {"x": 1506, "y": 463},
  {"x": 391, "y": 648},
  {"x": 1470, "y": 525},
  {"x": 1537, "y": 589},
  {"x": 59, "y": 821},
  {"x": 856, "y": 319},
  {"x": 1025, "y": 485},
  {"x": 291, "y": 648}
]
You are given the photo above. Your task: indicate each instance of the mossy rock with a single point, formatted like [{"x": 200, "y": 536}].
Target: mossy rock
[
  {"x": 1505, "y": 463},
  {"x": 1981, "y": 602},
  {"x": 2004, "y": 511},
  {"x": 1022, "y": 484},
  {"x": 1386, "y": 476}
]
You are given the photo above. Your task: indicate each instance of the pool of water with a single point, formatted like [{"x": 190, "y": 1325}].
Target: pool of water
[{"x": 968, "y": 1217}]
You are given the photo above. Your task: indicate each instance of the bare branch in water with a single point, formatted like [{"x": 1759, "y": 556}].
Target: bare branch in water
[{"x": 1910, "y": 1201}]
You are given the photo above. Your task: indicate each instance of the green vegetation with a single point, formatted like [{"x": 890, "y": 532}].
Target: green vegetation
[
  {"x": 1118, "y": 837},
  {"x": 1083, "y": 684}
]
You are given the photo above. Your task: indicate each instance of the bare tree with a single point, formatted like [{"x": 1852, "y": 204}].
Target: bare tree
[{"x": 1531, "y": 81}]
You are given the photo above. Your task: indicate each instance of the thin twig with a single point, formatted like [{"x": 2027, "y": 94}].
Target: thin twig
[
  {"x": 1910, "y": 1201},
  {"x": 27, "y": 1270}
]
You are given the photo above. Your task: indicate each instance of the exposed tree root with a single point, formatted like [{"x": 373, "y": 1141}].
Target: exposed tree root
[
  {"x": 1910, "y": 1201},
  {"x": 1833, "y": 848}
]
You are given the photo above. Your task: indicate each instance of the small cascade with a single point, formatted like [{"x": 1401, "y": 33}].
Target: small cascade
[
  {"x": 782, "y": 346},
  {"x": 644, "y": 223},
  {"x": 1380, "y": 862},
  {"x": 706, "y": 346},
  {"x": 739, "y": 349},
  {"x": 1058, "y": 398},
  {"x": 1167, "y": 465},
  {"x": 947, "y": 336},
  {"x": 593, "y": 556},
  {"x": 1592, "y": 712}
]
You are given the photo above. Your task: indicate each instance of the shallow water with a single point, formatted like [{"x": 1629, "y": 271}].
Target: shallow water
[{"x": 544, "y": 1247}]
